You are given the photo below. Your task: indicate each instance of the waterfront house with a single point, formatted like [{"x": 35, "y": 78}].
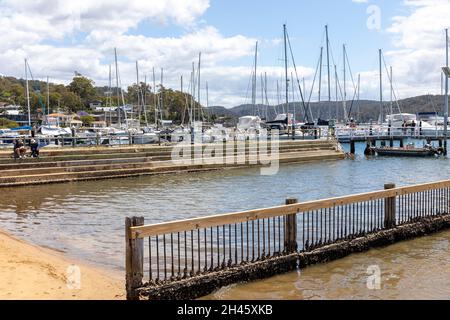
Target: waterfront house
[{"x": 60, "y": 119}]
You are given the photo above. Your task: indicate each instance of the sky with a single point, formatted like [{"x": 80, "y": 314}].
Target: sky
[{"x": 59, "y": 37}]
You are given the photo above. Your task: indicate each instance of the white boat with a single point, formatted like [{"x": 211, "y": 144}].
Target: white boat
[
  {"x": 54, "y": 131},
  {"x": 249, "y": 122},
  {"x": 146, "y": 136}
]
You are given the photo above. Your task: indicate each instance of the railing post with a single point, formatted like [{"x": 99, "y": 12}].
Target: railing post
[
  {"x": 389, "y": 208},
  {"x": 134, "y": 263},
  {"x": 290, "y": 229}
]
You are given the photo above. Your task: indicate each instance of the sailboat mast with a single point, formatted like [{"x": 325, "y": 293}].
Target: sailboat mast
[
  {"x": 278, "y": 94},
  {"x": 265, "y": 93},
  {"x": 328, "y": 63},
  {"x": 161, "y": 105},
  {"x": 117, "y": 85},
  {"x": 337, "y": 91},
  {"x": 48, "y": 96},
  {"x": 109, "y": 103},
  {"x": 28, "y": 93},
  {"x": 193, "y": 92},
  {"x": 344, "y": 100},
  {"x": 320, "y": 73},
  {"x": 293, "y": 98},
  {"x": 287, "y": 81},
  {"x": 207, "y": 95},
  {"x": 446, "y": 95},
  {"x": 286, "y": 69},
  {"x": 359, "y": 102},
  {"x": 392, "y": 91},
  {"x": 199, "y": 85},
  {"x": 138, "y": 93},
  {"x": 144, "y": 100},
  {"x": 154, "y": 97},
  {"x": 262, "y": 89},
  {"x": 381, "y": 89}
]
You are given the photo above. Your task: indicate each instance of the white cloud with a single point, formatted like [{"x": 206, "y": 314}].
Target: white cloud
[
  {"x": 60, "y": 37},
  {"x": 419, "y": 39}
]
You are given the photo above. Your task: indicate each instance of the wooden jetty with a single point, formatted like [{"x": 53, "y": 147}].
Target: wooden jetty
[
  {"x": 191, "y": 258},
  {"x": 78, "y": 164}
]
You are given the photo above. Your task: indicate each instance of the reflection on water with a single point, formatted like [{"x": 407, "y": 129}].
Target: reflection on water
[
  {"x": 86, "y": 219},
  {"x": 417, "y": 269}
]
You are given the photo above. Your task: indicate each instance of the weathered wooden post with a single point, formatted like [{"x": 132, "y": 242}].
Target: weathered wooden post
[
  {"x": 73, "y": 137},
  {"x": 134, "y": 263},
  {"x": 352, "y": 147},
  {"x": 389, "y": 208},
  {"x": 402, "y": 144},
  {"x": 290, "y": 229}
]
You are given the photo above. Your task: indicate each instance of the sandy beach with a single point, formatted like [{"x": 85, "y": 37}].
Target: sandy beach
[{"x": 29, "y": 272}]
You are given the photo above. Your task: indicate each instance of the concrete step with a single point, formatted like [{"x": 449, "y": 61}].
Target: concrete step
[
  {"x": 148, "y": 149},
  {"x": 52, "y": 163},
  {"x": 87, "y": 173}
]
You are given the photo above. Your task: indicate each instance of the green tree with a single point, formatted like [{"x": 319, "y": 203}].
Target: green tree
[
  {"x": 71, "y": 102},
  {"x": 5, "y": 123},
  {"x": 87, "y": 120},
  {"x": 84, "y": 88}
]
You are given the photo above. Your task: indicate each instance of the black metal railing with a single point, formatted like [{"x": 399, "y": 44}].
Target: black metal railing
[{"x": 184, "y": 249}]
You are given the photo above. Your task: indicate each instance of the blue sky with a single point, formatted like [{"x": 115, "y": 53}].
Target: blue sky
[
  {"x": 305, "y": 21},
  {"x": 81, "y": 35}
]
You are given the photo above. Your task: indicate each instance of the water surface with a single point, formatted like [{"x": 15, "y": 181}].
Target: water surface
[{"x": 86, "y": 219}]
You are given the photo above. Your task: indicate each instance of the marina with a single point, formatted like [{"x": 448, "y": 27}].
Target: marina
[{"x": 162, "y": 152}]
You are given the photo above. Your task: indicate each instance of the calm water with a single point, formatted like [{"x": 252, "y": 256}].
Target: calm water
[
  {"x": 86, "y": 219},
  {"x": 415, "y": 269}
]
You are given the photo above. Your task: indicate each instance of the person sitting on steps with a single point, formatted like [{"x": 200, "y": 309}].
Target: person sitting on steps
[
  {"x": 34, "y": 148},
  {"x": 19, "y": 149}
]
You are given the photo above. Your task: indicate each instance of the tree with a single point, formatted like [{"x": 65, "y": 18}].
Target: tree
[
  {"x": 87, "y": 120},
  {"x": 71, "y": 102},
  {"x": 84, "y": 88},
  {"x": 5, "y": 123}
]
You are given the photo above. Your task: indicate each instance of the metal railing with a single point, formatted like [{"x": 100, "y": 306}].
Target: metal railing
[
  {"x": 386, "y": 132},
  {"x": 183, "y": 249}
]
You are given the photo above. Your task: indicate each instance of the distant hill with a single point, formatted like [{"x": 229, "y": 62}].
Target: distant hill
[{"x": 364, "y": 110}]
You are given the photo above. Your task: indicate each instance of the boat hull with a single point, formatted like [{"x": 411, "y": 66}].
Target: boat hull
[{"x": 394, "y": 152}]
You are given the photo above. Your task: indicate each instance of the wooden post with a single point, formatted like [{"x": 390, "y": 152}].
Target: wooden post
[
  {"x": 352, "y": 147},
  {"x": 402, "y": 144},
  {"x": 290, "y": 229},
  {"x": 134, "y": 261},
  {"x": 389, "y": 208},
  {"x": 391, "y": 142},
  {"x": 73, "y": 137}
]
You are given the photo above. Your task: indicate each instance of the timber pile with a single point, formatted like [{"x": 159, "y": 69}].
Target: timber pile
[{"x": 77, "y": 164}]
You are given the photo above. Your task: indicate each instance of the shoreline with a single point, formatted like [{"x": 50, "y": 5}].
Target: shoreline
[{"x": 31, "y": 272}]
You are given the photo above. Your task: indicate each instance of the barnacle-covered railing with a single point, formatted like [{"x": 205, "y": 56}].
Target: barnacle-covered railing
[{"x": 170, "y": 252}]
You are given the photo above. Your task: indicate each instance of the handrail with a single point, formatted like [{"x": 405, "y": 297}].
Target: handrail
[{"x": 252, "y": 215}]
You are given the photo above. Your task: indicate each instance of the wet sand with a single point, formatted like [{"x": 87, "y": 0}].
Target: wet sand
[{"x": 28, "y": 272}]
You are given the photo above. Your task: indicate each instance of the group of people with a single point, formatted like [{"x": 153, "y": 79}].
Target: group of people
[{"x": 20, "y": 150}]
